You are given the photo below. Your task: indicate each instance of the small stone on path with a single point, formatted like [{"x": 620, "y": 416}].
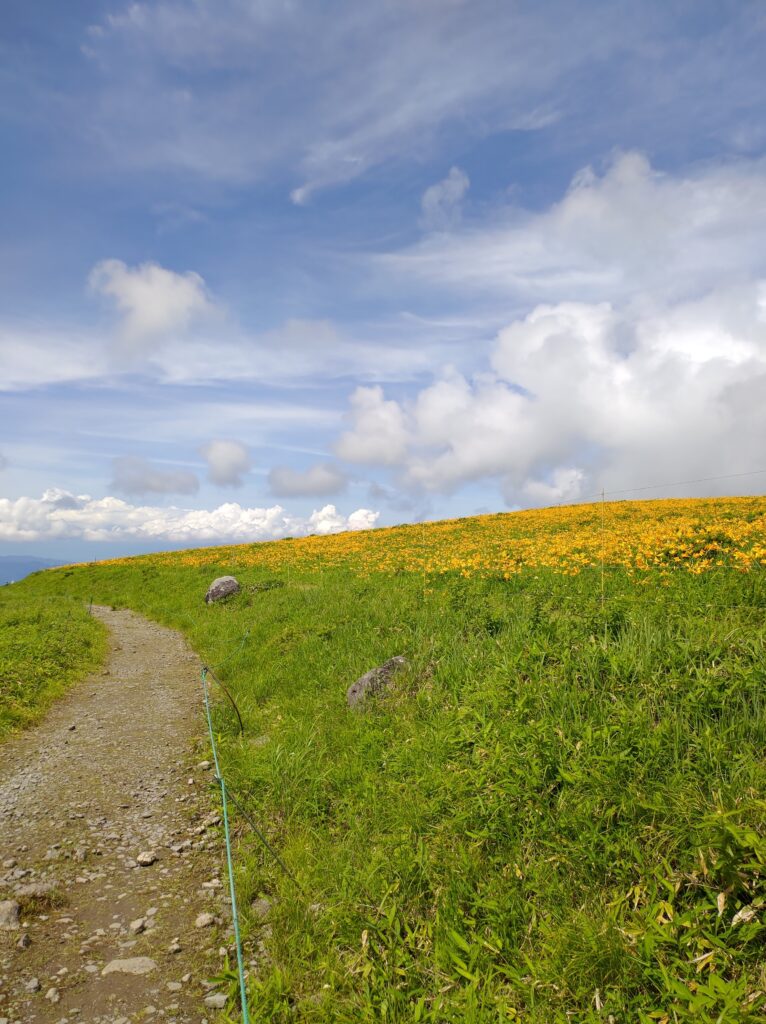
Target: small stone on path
[
  {"x": 9, "y": 915},
  {"x": 216, "y": 1001},
  {"x": 35, "y": 890},
  {"x": 134, "y": 965},
  {"x": 146, "y": 858},
  {"x": 204, "y": 920}
]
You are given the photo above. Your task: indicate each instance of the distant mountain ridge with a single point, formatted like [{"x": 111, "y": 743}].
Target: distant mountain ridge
[{"x": 15, "y": 567}]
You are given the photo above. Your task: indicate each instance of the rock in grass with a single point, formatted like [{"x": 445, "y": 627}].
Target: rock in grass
[
  {"x": 261, "y": 908},
  {"x": 374, "y": 681},
  {"x": 9, "y": 915},
  {"x": 222, "y": 587}
]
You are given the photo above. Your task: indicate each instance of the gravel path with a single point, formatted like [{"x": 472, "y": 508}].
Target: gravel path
[{"x": 113, "y": 777}]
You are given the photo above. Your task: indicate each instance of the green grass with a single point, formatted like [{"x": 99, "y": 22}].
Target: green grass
[
  {"x": 45, "y": 644},
  {"x": 556, "y": 815}
]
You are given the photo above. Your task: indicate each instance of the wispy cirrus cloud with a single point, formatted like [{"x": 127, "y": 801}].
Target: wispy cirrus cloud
[
  {"x": 440, "y": 204},
  {"x": 388, "y": 79},
  {"x": 394, "y": 81},
  {"x": 630, "y": 230}
]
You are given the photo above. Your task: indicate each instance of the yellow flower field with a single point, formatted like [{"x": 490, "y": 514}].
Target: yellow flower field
[{"x": 693, "y": 534}]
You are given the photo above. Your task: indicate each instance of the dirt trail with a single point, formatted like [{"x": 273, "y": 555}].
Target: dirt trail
[{"x": 112, "y": 772}]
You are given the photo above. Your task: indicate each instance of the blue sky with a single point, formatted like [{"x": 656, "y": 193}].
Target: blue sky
[{"x": 277, "y": 267}]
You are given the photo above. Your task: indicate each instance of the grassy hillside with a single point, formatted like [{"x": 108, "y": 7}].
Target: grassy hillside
[
  {"x": 557, "y": 814},
  {"x": 44, "y": 645}
]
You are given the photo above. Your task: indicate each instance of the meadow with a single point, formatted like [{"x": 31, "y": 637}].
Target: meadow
[{"x": 555, "y": 814}]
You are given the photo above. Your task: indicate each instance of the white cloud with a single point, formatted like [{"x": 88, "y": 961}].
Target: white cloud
[
  {"x": 631, "y": 231},
  {"x": 441, "y": 202},
  {"x": 317, "y": 481},
  {"x": 33, "y": 357},
  {"x": 651, "y": 371},
  {"x": 185, "y": 87},
  {"x": 581, "y": 394},
  {"x": 227, "y": 462},
  {"x": 389, "y": 80},
  {"x": 135, "y": 476},
  {"x": 565, "y": 485},
  {"x": 378, "y": 434},
  {"x": 151, "y": 300},
  {"x": 60, "y": 515}
]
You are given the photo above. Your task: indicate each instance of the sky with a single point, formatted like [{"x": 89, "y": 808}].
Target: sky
[{"x": 272, "y": 267}]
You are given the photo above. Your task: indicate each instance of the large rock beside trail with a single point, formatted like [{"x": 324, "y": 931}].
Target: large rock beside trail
[
  {"x": 9, "y": 915},
  {"x": 222, "y": 587},
  {"x": 374, "y": 681}
]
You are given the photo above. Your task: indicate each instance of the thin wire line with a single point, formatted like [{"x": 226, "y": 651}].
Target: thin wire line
[
  {"x": 253, "y": 825},
  {"x": 229, "y": 863},
  {"x": 677, "y": 483},
  {"x": 209, "y": 672}
]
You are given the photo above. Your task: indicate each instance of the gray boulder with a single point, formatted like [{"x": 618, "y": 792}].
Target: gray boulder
[
  {"x": 375, "y": 680},
  {"x": 221, "y": 587}
]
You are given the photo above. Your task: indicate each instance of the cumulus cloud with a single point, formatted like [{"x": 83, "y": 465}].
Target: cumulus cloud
[
  {"x": 441, "y": 202},
  {"x": 59, "y": 515},
  {"x": 316, "y": 481},
  {"x": 582, "y": 393},
  {"x": 646, "y": 367},
  {"x": 134, "y": 475},
  {"x": 152, "y": 301},
  {"x": 378, "y": 434},
  {"x": 227, "y": 462}
]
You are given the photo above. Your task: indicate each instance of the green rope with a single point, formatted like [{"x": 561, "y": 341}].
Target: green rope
[{"x": 220, "y": 780}]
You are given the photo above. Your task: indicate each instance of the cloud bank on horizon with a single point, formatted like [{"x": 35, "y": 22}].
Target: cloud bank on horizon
[
  {"x": 456, "y": 258},
  {"x": 60, "y": 515}
]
